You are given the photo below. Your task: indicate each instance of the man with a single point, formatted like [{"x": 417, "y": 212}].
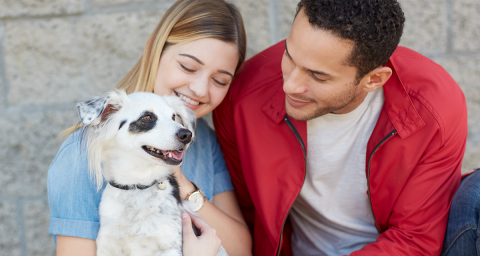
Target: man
[{"x": 339, "y": 142}]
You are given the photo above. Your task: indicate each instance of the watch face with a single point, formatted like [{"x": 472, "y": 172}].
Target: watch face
[{"x": 196, "y": 199}]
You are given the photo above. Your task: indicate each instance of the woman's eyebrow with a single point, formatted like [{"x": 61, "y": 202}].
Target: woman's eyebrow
[
  {"x": 201, "y": 63},
  {"x": 225, "y": 72},
  {"x": 193, "y": 58}
]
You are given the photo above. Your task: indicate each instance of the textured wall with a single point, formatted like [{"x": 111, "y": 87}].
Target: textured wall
[{"x": 54, "y": 53}]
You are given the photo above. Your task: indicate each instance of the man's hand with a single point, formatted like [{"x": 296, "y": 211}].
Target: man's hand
[{"x": 207, "y": 244}]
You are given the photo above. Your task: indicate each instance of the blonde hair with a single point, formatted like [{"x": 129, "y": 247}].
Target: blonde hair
[{"x": 185, "y": 21}]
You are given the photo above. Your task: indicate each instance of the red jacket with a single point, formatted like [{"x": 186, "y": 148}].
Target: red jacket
[{"x": 413, "y": 164}]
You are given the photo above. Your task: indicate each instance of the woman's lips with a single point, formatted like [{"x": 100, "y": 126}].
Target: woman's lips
[
  {"x": 297, "y": 103},
  {"x": 192, "y": 104}
]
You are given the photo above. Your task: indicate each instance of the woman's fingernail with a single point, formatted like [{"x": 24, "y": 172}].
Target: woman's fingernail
[{"x": 184, "y": 215}]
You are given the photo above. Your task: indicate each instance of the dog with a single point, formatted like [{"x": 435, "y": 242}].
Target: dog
[{"x": 133, "y": 142}]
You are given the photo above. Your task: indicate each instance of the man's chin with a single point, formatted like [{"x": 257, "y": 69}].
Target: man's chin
[
  {"x": 304, "y": 114},
  {"x": 297, "y": 114}
]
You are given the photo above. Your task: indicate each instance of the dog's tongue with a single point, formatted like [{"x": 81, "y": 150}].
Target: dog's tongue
[{"x": 174, "y": 154}]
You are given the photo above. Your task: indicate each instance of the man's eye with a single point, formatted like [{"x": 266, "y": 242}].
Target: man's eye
[
  {"x": 146, "y": 118},
  {"x": 317, "y": 79}
]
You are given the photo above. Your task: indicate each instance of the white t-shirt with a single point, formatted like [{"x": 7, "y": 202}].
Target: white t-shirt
[{"x": 332, "y": 215}]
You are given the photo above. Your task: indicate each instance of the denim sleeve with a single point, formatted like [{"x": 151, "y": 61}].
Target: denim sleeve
[
  {"x": 72, "y": 195},
  {"x": 221, "y": 178}
]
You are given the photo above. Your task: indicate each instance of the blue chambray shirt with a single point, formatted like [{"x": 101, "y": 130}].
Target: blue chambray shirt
[{"x": 73, "y": 196}]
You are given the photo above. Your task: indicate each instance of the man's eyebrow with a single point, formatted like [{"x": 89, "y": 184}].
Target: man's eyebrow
[
  {"x": 192, "y": 57},
  {"x": 320, "y": 73},
  {"x": 312, "y": 71}
]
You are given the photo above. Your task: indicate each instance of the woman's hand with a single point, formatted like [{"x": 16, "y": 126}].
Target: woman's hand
[{"x": 207, "y": 244}]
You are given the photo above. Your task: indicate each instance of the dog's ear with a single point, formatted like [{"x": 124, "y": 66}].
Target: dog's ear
[
  {"x": 95, "y": 111},
  {"x": 187, "y": 116}
]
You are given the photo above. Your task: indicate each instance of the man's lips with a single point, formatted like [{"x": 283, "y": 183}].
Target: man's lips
[{"x": 297, "y": 103}]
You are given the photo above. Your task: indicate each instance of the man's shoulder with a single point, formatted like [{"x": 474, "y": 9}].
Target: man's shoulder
[
  {"x": 259, "y": 71},
  {"x": 430, "y": 85},
  {"x": 419, "y": 73}
]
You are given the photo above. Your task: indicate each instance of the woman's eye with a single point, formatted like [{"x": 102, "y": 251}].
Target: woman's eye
[
  {"x": 220, "y": 83},
  {"x": 146, "y": 118},
  {"x": 187, "y": 69}
]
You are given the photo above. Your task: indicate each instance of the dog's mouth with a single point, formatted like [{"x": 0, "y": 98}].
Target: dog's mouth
[{"x": 173, "y": 157}]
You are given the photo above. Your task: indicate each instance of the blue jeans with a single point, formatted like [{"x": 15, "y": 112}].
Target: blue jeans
[{"x": 463, "y": 236}]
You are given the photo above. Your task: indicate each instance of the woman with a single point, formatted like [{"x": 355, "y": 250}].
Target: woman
[{"x": 193, "y": 53}]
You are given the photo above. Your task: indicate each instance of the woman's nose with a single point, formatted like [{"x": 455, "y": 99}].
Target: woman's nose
[{"x": 199, "y": 87}]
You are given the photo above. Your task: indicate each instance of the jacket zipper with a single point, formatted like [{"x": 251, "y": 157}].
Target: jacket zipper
[
  {"x": 299, "y": 138},
  {"x": 368, "y": 176}
]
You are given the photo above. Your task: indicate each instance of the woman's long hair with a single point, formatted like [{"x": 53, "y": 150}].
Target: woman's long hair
[{"x": 185, "y": 21}]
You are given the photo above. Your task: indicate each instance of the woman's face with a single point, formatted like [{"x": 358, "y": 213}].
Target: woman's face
[{"x": 198, "y": 72}]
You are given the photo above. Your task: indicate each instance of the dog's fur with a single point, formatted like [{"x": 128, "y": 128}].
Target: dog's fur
[{"x": 136, "y": 216}]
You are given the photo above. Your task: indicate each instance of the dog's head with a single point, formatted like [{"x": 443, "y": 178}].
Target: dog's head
[{"x": 140, "y": 131}]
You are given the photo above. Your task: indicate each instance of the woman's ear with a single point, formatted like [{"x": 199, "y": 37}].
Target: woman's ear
[{"x": 95, "y": 111}]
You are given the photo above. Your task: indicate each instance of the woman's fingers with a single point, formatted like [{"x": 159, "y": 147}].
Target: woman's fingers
[
  {"x": 201, "y": 224},
  {"x": 187, "y": 226},
  {"x": 207, "y": 244}
]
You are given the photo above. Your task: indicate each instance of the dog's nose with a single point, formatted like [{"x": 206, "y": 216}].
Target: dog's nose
[{"x": 184, "y": 136}]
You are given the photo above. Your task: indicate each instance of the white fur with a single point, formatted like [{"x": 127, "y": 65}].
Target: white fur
[{"x": 135, "y": 222}]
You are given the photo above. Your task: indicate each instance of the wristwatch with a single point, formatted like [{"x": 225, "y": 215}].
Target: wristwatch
[{"x": 196, "y": 198}]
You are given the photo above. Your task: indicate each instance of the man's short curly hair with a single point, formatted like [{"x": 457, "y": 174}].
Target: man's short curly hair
[{"x": 374, "y": 26}]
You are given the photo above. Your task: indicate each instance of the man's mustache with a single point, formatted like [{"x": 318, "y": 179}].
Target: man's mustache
[{"x": 300, "y": 97}]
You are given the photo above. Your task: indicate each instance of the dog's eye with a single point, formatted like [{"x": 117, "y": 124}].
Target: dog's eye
[
  {"x": 173, "y": 117},
  {"x": 146, "y": 118}
]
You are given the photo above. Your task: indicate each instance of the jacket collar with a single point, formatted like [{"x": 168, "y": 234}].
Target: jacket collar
[
  {"x": 398, "y": 105},
  {"x": 275, "y": 107}
]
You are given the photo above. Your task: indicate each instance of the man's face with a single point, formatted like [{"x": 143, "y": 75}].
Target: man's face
[{"x": 317, "y": 78}]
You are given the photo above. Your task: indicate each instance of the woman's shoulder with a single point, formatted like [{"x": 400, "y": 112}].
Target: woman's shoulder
[
  {"x": 71, "y": 146},
  {"x": 68, "y": 175}
]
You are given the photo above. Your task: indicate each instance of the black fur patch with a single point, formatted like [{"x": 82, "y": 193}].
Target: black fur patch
[
  {"x": 122, "y": 123},
  {"x": 175, "y": 189},
  {"x": 142, "y": 125},
  {"x": 119, "y": 186},
  {"x": 129, "y": 187},
  {"x": 196, "y": 231}
]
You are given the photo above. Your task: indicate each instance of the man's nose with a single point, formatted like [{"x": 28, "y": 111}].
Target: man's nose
[{"x": 294, "y": 82}]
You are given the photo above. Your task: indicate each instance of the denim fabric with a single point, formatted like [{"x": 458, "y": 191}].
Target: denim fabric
[
  {"x": 73, "y": 196},
  {"x": 462, "y": 236}
]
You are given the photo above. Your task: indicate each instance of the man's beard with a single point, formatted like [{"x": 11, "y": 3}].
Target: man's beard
[{"x": 329, "y": 107}]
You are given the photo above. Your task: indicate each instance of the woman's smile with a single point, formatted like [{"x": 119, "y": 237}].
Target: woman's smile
[{"x": 191, "y": 103}]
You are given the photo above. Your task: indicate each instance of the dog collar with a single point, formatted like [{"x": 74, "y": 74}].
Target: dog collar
[{"x": 132, "y": 187}]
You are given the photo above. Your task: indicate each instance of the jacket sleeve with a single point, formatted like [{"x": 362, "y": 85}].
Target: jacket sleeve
[
  {"x": 223, "y": 119},
  {"x": 419, "y": 218}
]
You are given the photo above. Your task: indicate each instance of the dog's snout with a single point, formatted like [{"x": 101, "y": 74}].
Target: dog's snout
[{"x": 184, "y": 136}]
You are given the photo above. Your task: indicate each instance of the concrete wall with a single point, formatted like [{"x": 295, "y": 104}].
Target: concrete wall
[{"x": 54, "y": 53}]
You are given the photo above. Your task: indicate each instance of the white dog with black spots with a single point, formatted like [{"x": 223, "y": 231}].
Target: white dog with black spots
[{"x": 133, "y": 143}]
